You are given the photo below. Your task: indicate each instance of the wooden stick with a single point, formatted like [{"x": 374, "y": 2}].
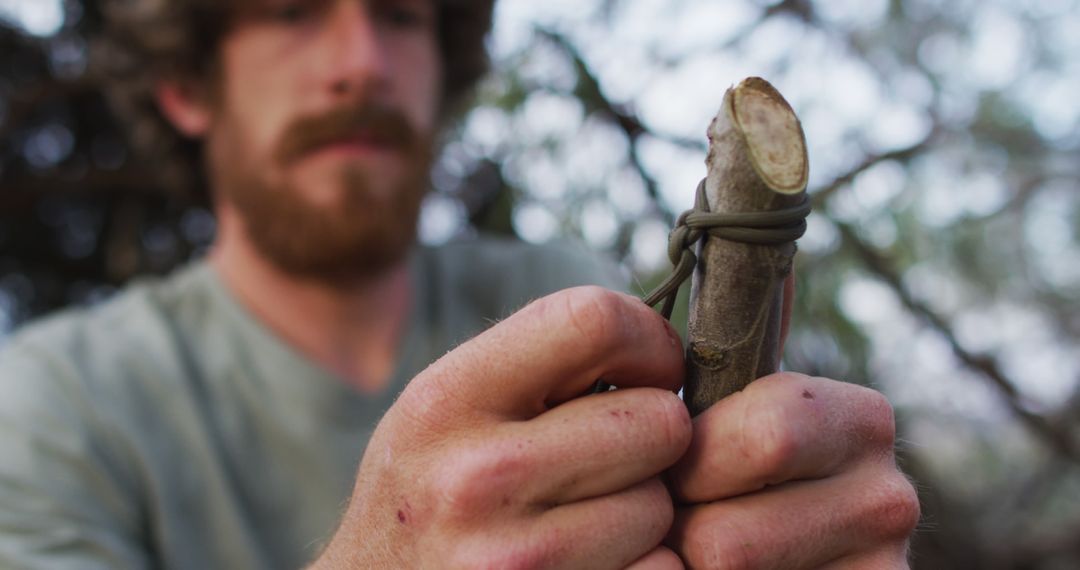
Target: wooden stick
[{"x": 757, "y": 162}]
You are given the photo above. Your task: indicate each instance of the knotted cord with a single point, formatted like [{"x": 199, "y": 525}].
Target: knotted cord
[{"x": 774, "y": 227}]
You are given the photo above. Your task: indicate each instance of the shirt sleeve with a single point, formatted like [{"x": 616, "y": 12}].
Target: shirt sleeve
[{"x": 65, "y": 502}]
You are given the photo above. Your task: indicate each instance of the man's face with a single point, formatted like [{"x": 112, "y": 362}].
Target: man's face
[{"x": 322, "y": 127}]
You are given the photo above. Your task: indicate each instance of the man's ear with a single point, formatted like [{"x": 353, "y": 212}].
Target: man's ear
[{"x": 185, "y": 106}]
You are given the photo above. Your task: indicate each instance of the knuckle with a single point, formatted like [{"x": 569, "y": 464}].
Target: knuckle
[
  {"x": 423, "y": 404},
  {"x": 595, "y": 314},
  {"x": 893, "y": 509},
  {"x": 769, "y": 442},
  {"x": 868, "y": 415},
  {"x": 480, "y": 479}
]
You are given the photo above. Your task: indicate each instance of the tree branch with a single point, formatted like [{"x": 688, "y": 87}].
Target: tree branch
[
  {"x": 822, "y": 194},
  {"x": 590, "y": 92},
  {"x": 1057, "y": 438}
]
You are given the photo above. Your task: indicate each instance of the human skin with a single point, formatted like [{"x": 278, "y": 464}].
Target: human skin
[
  {"x": 283, "y": 60},
  {"x": 495, "y": 457}
]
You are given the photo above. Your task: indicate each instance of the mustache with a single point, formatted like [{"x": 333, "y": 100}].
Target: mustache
[{"x": 380, "y": 123}]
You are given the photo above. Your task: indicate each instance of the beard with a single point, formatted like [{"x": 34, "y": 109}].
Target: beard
[{"x": 367, "y": 230}]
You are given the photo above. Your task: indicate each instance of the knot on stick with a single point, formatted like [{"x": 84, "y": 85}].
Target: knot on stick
[{"x": 773, "y": 227}]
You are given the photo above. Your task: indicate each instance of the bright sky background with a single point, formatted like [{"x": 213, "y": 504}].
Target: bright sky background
[{"x": 39, "y": 17}]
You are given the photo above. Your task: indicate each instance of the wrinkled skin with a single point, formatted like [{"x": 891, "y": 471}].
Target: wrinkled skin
[{"x": 497, "y": 457}]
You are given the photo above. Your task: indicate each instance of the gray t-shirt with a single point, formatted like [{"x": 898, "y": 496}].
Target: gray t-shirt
[{"x": 167, "y": 428}]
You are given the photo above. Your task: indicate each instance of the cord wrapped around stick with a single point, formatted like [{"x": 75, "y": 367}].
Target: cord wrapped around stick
[
  {"x": 757, "y": 163},
  {"x": 747, "y": 214}
]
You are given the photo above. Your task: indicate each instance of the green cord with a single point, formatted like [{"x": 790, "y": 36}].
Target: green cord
[
  {"x": 760, "y": 228},
  {"x": 774, "y": 227}
]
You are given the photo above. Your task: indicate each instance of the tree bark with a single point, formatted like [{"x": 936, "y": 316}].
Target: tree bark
[{"x": 757, "y": 162}]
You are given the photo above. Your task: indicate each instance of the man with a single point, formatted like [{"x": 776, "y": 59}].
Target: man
[{"x": 216, "y": 419}]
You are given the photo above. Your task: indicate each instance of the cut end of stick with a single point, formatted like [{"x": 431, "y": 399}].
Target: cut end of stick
[{"x": 774, "y": 137}]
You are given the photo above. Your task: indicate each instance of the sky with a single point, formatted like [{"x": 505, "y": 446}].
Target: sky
[{"x": 39, "y": 17}]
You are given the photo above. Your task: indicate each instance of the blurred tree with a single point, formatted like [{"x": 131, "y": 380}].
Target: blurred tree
[
  {"x": 941, "y": 265},
  {"x": 78, "y": 216}
]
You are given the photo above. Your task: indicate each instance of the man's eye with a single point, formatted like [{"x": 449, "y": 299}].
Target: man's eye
[
  {"x": 405, "y": 16},
  {"x": 290, "y": 13}
]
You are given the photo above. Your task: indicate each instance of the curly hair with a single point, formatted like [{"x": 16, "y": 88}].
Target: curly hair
[{"x": 143, "y": 41}]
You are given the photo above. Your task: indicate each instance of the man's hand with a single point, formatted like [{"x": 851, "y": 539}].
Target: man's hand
[
  {"x": 491, "y": 458},
  {"x": 793, "y": 472},
  {"x": 496, "y": 457}
]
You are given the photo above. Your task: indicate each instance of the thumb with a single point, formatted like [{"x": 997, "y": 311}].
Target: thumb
[{"x": 552, "y": 351}]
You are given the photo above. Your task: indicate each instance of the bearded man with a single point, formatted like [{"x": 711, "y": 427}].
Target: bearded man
[{"x": 229, "y": 415}]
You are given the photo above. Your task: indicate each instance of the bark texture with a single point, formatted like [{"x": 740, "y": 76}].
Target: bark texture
[{"x": 757, "y": 162}]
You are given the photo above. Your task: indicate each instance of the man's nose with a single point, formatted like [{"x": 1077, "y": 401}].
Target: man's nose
[{"x": 356, "y": 58}]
